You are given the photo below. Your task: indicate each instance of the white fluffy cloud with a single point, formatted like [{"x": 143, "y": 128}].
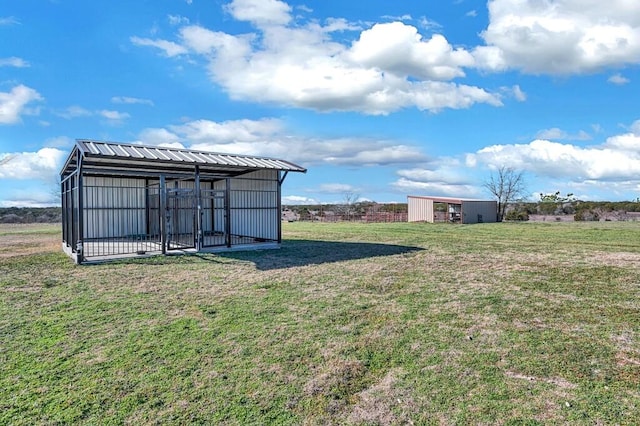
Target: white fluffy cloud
[
  {"x": 74, "y": 111},
  {"x": 337, "y": 188},
  {"x": 270, "y": 138},
  {"x": 447, "y": 177},
  {"x": 130, "y": 100},
  {"x": 618, "y": 79},
  {"x": 298, "y": 200},
  {"x": 260, "y": 12},
  {"x": 59, "y": 142},
  {"x": 211, "y": 132},
  {"x": 14, "y": 103},
  {"x": 386, "y": 68},
  {"x": 160, "y": 137},
  {"x": 177, "y": 19},
  {"x": 13, "y": 62},
  {"x": 559, "y": 134},
  {"x": 33, "y": 197},
  {"x": 612, "y": 164},
  {"x": 440, "y": 188},
  {"x": 398, "y": 48},
  {"x": 560, "y": 36},
  {"x": 518, "y": 93},
  {"x": 169, "y": 48},
  {"x": 618, "y": 159},
  {"x": 43, "y": 164},
  {"x": 113, "y": 116}
]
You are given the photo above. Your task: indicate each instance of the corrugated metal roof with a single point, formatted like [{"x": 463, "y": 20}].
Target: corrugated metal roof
[
  {"x": 452, "y": 200},
  {"x": 114, "y": 150}
]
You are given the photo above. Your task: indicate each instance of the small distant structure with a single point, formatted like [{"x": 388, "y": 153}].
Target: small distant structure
[
  {"x": 289, "y": 215},
  {"x": 453, "y": 210}
]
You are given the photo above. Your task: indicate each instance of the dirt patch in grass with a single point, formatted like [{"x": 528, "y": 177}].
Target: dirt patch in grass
[
  {"x": 619, "y": 259},
  {"x": 337, "y": 379},
  {"x": 556, "y": 381},
  {"x": 23, "y": 244},
  {"x": 628, "y": 354},
  {"x": 534, "y": 323},
  {"x": 384, "y": 403}
]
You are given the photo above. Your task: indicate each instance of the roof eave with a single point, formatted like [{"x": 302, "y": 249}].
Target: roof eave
[{"x": 186, "y": 156}]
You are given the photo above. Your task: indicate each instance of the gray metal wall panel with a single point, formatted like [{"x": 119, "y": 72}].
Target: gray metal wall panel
[
  {"x": 253, "y": 201},
  {"x": 471, "y": 210},
  {"x": 114, "y": 207},
  {"x": 264, "y": 180},
  {"x": 219, "y": 210},
  {"x": 255, "y": 223}
]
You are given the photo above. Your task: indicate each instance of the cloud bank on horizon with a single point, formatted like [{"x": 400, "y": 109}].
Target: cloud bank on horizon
[{"x": 381, "y": 107}]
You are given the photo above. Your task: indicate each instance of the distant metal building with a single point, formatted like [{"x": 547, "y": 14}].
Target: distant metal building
[
  {"x": 125, "y": 200},
  {"x": 456, "y": 210}
]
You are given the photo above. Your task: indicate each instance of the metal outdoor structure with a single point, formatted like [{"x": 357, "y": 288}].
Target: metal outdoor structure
[
  {"x": 455, "y": 210},
  {"x": 126, "y": 200}
]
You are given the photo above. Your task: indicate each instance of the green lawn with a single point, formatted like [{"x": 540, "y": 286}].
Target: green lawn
[{"x": 346, "y": 324}]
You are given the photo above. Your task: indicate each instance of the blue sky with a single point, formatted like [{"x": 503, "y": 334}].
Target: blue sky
[{"x": 380, "y": 98}]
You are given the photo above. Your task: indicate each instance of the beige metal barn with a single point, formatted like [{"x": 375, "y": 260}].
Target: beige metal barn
[
  {"x": 446, "y": 209},
  {"x": 122, "y": 200}
]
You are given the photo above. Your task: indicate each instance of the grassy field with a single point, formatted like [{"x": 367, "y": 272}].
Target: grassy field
[{"x": 346, "y": 324}]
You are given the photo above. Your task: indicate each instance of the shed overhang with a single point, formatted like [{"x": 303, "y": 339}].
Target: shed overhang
[{"x": 110, "y": 158}]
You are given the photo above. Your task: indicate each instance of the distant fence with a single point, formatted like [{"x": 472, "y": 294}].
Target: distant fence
[{"x": 381, "y": 217}]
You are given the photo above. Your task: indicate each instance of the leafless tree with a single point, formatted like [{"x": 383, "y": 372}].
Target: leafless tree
[
  {"x": 507, "y": 185},
  {"x": 349, "y": 201},
  {"x": 54, "y": 190}
]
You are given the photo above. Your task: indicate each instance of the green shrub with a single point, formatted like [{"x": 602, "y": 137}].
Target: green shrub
[
  {"x": 586, "y": 216},
  {"x": 519, "y": 215}
]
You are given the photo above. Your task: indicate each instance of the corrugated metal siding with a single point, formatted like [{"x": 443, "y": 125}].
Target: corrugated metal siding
[
  {"x": 212, "y": 210},
  {"x": 181, "y": 204},
  {"x": 253, "y": 204},
  {"x": 153, "y": 206},
  {"x": 472, "y": 209},
  {"x": 420, "y": 209},
  {"x": 114, "y": 207},
  {"x": 218, "y": 212},
  {"x": 255, "y": 223},
  {"x": 262, "y": 174}
]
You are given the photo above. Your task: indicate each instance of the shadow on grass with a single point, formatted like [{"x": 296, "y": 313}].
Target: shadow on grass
[
  {"x": 311, "y": 252},
  {"x": 291, "y": 254}
]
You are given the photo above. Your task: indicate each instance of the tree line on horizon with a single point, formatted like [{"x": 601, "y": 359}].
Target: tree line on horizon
[
  {"x": 30, "y": 214},
  {"x": 553, "y": 204},
  {"x": 513, "y": 211}
]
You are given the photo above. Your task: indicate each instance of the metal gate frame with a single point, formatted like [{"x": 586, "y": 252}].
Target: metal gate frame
[
  {"x": 181, "y": 223},
  {"x": 183, "y": 218},
  {"x": 214, "y": 204}
]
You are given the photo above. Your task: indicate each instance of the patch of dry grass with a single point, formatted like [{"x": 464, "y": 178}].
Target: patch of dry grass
[{"x": 28, "y": 239}]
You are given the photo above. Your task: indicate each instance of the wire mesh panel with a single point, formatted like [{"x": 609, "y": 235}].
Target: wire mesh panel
[
  {"x": 213, "y": 217},
  {"x": 153, "y": 211},
  {"x": 70, "y": 212},
  {"x": 107, "y": 217},
  {"x": 117, "y": 217},
  {"x": 254, "y": 207},
  {"x": 181, "y": 218}
]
